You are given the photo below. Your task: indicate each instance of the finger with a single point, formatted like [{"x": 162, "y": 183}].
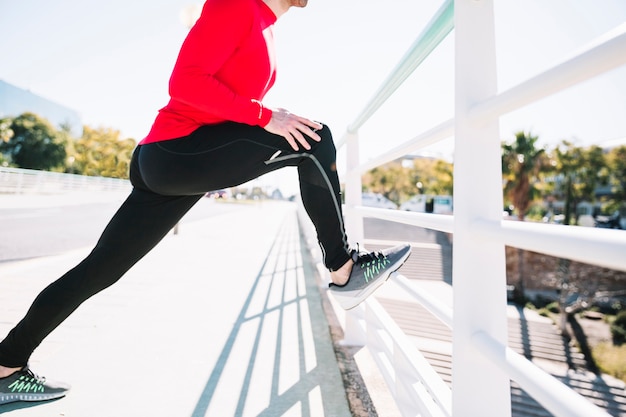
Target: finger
[
  {"x": 311, "y": 133},
  {"x": 316, "y": 125},
  {"x": 305, "y": 129},
  {"x": 310, "y": 123},
  {"x": 291, "y": 141},
  {"x": 306, "y": 121},
  {"x": 301, "y": 139}
]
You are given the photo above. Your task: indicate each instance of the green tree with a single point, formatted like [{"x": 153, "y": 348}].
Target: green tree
[
  {"x": 444, "y": 172},
  {"x": 100, "y": 152},
  {"x": 5, "y": 129},
  {"x": 5, "y": 135},
  {"x": 65, "y": 134},
  {"x": 398, "y": 183},
  {"x": 434, "y": 176},
  {"x": 32, "y": 142},
  {"x": 391, "y": 180},
  {"x": 616, "y": 162},
  {"x": 581, "y": 171},
  {"x": 522, "y": 164}
]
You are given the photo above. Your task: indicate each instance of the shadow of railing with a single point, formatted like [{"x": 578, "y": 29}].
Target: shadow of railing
[
  {"x": 279, "y": 344},
  {"x": 524, "y": 334}
]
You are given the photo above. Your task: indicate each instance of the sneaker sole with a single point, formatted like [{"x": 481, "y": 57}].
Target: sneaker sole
[
  {"x": 11, "y": 398},
  {"x": 349, "y": 300}
]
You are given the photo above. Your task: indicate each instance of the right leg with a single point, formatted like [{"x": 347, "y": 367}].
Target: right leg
[{"x": 229, "y": 154}]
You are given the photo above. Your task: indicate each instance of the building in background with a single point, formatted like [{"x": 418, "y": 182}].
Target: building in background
[{"x": 15, "y": 101}]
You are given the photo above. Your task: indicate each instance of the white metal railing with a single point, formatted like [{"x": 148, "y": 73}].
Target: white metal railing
[
  {"x": 28, "y": 181},
  {"x": 479, "y": 325}
]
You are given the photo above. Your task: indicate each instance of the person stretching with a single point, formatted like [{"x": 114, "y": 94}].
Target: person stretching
[{"x": 215, "y": 132}]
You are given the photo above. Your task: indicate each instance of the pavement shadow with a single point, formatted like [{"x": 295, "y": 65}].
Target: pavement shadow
[
  {"x": 443, "y": 239},
  {"x": 524, "y": 333},
  {"x": 583, "y": 343},
  {"x": 282, "y": 309}
]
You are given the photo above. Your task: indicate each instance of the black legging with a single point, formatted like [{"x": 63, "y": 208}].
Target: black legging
[{"x": 168, "y": 179}]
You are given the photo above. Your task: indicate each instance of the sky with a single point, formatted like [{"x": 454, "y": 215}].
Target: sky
[{"x": 111, "y": 62}]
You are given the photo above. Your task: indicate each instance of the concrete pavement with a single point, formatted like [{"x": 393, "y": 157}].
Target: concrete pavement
[{"x": 223, "y": 319}]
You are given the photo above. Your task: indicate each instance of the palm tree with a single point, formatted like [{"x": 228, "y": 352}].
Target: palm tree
[{"x": 522, "y": 162}]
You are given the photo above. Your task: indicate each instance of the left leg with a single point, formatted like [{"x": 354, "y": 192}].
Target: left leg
[{"x": 139, "y": 224}]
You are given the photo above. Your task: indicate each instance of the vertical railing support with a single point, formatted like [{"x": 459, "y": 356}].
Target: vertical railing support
[
  {"x": 354, "y": 221},
  {"x": 353, "y": 333},
  {"x": 479, "y": 387}
]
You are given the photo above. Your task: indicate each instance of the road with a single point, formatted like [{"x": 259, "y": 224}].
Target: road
[
  {"x": 48, "y": 230},
  {"x": 42, "y": 231}
]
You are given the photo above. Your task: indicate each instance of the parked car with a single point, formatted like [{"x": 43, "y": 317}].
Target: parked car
[
  {"x": 609, "y": 222},
  {"x": 218, "y": 194},
  {"x": 424, "y": 203},
  {"x": 377, "y": 200}
]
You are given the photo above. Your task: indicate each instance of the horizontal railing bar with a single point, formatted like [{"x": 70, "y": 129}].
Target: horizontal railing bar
[
  {"x": 21, "y": 181},
  {"x": 419, "y": 408},
  {"x": 433, "y": 34},
  {"x": 441, "y": 222},
  {"x": 602, "y": 247},
  {"x": 434, "y": 135},
  {"x": 435, "y": 31},
  {"x": 438, "y": 391},
  {"x": 427, "y": 300},
  {"x": 606, "y": 53},
  {"x": 555, "y": 396}
]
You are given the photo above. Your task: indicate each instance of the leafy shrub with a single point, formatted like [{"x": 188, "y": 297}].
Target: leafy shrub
[
  {"x": 553, "y": 307},
  {"x": 618, "y": 328},
  {"x": 540, "y": 301}
]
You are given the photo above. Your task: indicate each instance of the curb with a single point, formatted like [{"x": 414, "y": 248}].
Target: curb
[{"x": 357, "y": 395}]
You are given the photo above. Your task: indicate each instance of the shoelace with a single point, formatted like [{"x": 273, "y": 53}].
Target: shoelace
[
  {"x": 27, "y": 381},
  {"x": 365, "y": 257}
]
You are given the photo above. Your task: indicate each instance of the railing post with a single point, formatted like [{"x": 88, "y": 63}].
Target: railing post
[
  {"x": 355, "y": 327},
  {"x": 353, "y": 332},
  {"x": 354, "y": 221},
  {"x": 479, "y": 387}
]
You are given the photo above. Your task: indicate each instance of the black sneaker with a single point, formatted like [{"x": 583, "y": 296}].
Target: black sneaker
[
  {"x": 370, "y": 271},
  {"x": 24, "y": 385}
]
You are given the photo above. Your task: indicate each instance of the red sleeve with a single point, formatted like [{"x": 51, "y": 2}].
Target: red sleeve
[{"x": 221, "y": 27}]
